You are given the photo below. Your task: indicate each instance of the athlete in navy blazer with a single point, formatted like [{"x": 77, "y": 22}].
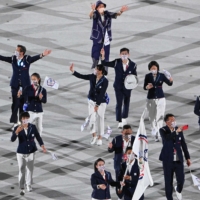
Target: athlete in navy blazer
[
  {"x": 131, "y": 178},
  {"x": 20, "y": 77},
  {"x": 27, "y": 143},
  {"x": 171, "y": 155},
  {"x": 123, "y": 67},
  {"x": 101, "y": 181}
]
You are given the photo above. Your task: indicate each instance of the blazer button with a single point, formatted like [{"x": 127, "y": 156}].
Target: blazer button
[
  {"x": 27, "y": 140},
  {"x": 35, "y": 105},
  {"x": 34, "y": 110},
  {"x": 20, "y": 74},
  {"x": 28, "y": 145}
]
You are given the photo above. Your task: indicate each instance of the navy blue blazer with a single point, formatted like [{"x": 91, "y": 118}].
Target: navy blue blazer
[
  {"x": 120, "y": 74},
  {"x": 117, "y": 147},
  {"x": 170, "y": 141},
  {"x": 97, "y": 179},
  {"x": 34, "y": 103},
  {"x": 20, "y": 75},
  {"x": 99, "y": 28},
  {"x": 97, "y": 90},
  {"x": 156, "y": 92},
  {"x": 130, "y": 185},
  {"x": 27, "y": 144}
]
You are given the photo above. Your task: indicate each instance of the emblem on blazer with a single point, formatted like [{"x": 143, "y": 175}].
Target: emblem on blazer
[
  {"x": 99, "y": 86},
  {"x": 129, "y": 72},
  {"x": 135, "y": 174},
  {"x": 179, "y": 138},
  {"x": 51, "y": 82},
  {"x": 32, "y": 135}
]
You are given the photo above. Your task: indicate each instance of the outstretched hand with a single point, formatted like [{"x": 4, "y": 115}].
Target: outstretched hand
[
  {"x": 93, "y": 6},
  {"x": 46, "y": 52},
  {"x": 124, "y": 8},
  {"x": 71, "y": 68}
]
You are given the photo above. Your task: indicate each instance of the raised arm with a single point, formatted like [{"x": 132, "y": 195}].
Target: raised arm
[
  {"x": 78, "y": 75},
  {"x": 91, "y": 14},
  {"x": 31, "y": 59},
  {"x": 168, "y": 81},
  {"x": 105, "y": 63},
  {"x": 6, "y": 59},
  {"x": 123, "y": 9}
]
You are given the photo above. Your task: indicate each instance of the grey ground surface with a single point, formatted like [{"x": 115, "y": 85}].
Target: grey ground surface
[{"x": 162, "y": 30}]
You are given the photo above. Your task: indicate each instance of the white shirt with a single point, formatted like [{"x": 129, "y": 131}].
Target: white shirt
[
  {"x": 126, "y": 144},
  {"x": 25, "y": 130},
  {"x": 124, "y": 65}
]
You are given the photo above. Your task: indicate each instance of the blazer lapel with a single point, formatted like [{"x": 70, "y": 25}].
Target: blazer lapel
[{"x": 29, "y": 129}]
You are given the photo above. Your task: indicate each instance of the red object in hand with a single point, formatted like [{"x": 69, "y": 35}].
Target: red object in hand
[{"x": 185, "y": 127}]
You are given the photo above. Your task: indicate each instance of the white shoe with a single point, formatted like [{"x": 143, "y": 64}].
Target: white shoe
[
  {"x": 99, "y": 142},
  {"x": 93, "y": 140},
  {"x": 14, "y": 125},
  {"x": 120, "y": 125},
  {"x": 124, "y": 122},
  {"x": 154, "y": 132},
  {"x": 29, "y": 188},
  {"x": 156, "y": 139},
  {"x": 22, "y": 192},
  {"x": 179, "y": 195}
]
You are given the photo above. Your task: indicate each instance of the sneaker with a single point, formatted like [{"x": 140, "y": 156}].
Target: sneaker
[
  {"x": 156, "y": 139},
  {"x": 124, "y": 122},
  {"x": 29, "y": 188},
  {"x": 178, "y": 195},
  {"x": 99, "y": 142},
  {"x": 14, "y": 125},
  {"x": 22, "y": 192},
  {"x": 93, "y": 140},
  {"x": 120, "y": 125}
]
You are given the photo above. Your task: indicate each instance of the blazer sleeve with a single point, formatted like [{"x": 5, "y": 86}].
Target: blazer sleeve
[
  {"x": 32, "y": 59},
  {"x": 93, "y": 182},
  {"x": 44, "y": 98},
  {"x": 112, "y": 182},
  {"x": 110, "y": 150},
  {"x": 25, "y": 94},
  {"x": 135, "y": 70},
  {"x": 82, "y": 76},
  {"x": 167, "y": 81},
  {"x": 109, "y": 64},
  {"x": 167, "y": 136},
  {"x": 184, "y": 147},
  {"x": 6, "y": 59},
  {"x": 14, "y": 135},
  {"x": 37, "y": 135},
  {"x": 113, "y": 15},
  {"x": 102, "y": 92},
  {"x": 145, "y": 82}
]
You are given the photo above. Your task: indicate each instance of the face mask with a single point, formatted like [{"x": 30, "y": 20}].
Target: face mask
[
  {"x": 25, "y": 121},
  {"x": 95, "y": 72},
  {"x": 173, "y": 124},
  {"x": 127, "y": 137},
  {"x": 131, "y": 156},
  {"x": 101, "y": 10},
  {"x": 35, "y": 83},
  {"x": 17, "y": 54},
  {"x": 124, "y": 57},
  {"x": 101, "y": 168},
  {"x": 154, "y": 71}
]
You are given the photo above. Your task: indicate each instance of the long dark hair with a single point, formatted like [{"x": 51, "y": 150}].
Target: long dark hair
[
  {"x": 96, "y": 162},
  {"x": 100, "y": 67},
  {"x": 37, "y": 76}
]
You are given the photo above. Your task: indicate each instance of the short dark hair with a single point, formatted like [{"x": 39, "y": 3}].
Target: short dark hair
[
  {"x": 127, "y": 126},
  {"x": 24, "y": 114},
  {"x": 128, "y": 148},
  {"x": 152, "y": 63},
  {"x": 22, "y": 48},
  {"x": 124, "y": 49},
  {"x": 167, "y": 116},
  {"x": 101, "y": 67},
  {"x": 38, "y": 77},
  {"x": 96, "y": 162}
]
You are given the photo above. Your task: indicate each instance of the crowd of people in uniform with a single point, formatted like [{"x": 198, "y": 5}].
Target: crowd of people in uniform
[{"x": 28, "y": 96}]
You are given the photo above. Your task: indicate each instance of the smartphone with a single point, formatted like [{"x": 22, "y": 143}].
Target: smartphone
[{"x": 185, "y": 127}]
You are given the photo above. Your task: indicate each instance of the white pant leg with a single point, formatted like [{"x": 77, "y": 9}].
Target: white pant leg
[
  {"x": 22, "y": 169},
  {"x": 100, "y": 118},
  {"x": 151, "y": 106},
  {"x": 161, "y": 104},
  {"x": 38, "y": 123},
  {"x": 92, "y": 124},
  {"x": 29, "y": 167},
  {"x": 32, "y": 117}
]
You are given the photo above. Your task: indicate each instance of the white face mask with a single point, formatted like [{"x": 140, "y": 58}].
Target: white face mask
[
  {"x": 173, "y": 124},
  {"x": 101, "y": 168},
  {"x": 17, "y": 54},
  {"x": 127, "y": 137},
  {"x": 35, "y": 83},
  {"x": 25, "y": 121},
  {"x": 95, "y": 72},
  {"x": 153, "y": 71},
  {"x": 101, "y": 10},
  {"x": 131, "y": 156},
  {"x": 124, "y": 57}
]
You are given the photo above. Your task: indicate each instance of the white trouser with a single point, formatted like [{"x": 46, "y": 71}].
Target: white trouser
[
  {"x": 97, "y": 118},
  {"x": 156, "y": 108},
  {"x": 37, "y": 118},
  {"x": 26, "y": 165}
]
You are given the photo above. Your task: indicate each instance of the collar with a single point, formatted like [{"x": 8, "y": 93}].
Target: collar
[{"x": 127, "y": 63}]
